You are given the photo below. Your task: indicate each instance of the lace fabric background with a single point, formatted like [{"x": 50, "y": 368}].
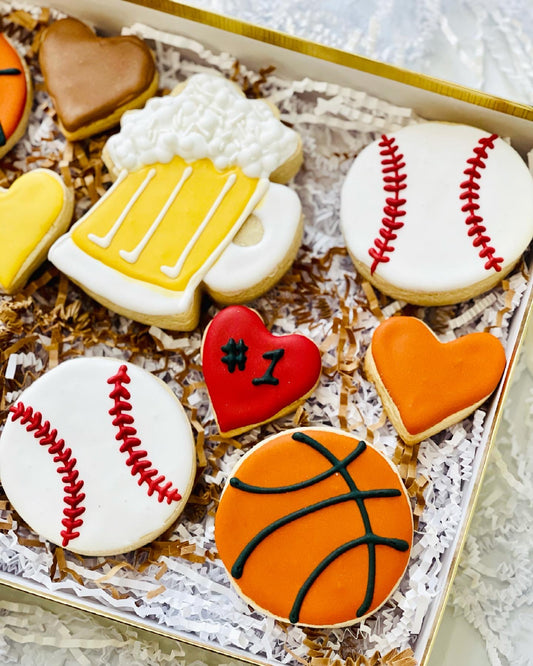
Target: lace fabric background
[{"x": 483, "y": 44}]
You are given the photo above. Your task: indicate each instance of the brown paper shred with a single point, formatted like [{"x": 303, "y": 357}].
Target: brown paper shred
[
  {"x": 183, "y": 549},
  {"x": 509, "y": 295},
  {"x": 392, "y": 658},
  {"x": 373, "y": 303},
  {"x": 163, "y": 568},
  {"x": 156, "y": 592},
  {"x": 103, "y": 579},
  {"x": 416, "y": 490},
  {"x": 60, "y": 567},
  {"x": 405, "y": 458},
  {"x": 22, "y": 18},
  {"x": 21, "y": 343},
  {"x": 39, "y": 282}
]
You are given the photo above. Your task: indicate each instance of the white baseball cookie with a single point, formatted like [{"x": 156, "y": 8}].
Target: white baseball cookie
[
  {"x": 97, "y": 456},
  {"x": 437, "y": 213},
  {"x": 194, "y": 206}
]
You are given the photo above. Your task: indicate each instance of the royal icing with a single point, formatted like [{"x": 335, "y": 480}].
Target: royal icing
[
  {"x": 211, "y": 119},
  {"x": 97, "y": 456},
  {"x": 437, "y": 207},
  {"x": 13, "y": 90},
  {"x": 29, "y": 209},
  {"x": 314, "y": 527},
  {"x": 161, "y": 229},
  {"x": 433, "y": 384},
  {"x": 252, "y": 375},
  {"x": 99, "y": 75}
]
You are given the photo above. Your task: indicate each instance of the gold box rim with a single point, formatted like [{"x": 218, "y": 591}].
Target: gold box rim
[{"x": 340, "y": 57}]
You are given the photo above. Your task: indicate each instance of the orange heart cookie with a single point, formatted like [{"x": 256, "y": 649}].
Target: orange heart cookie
[
  {"x": 34, "y": 211},
  {"x": 101, "y": 78},
  {"x": 426, "y": 385}
]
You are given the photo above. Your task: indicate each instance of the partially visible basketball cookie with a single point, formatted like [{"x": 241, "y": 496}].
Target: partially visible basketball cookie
[
  {"x": 15, "y": 95},
  {"x": 437, "y": 213},
  {"x": 427, "y": 385},
  {"x": 94, "y": 80},
  {"x": 315, "y": 527}
]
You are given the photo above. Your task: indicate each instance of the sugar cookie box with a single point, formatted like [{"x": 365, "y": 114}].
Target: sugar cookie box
[{"x": 177, "y": 585}]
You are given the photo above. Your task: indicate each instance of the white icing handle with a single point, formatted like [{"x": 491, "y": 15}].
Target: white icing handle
[{"x": 241, "y": 267}]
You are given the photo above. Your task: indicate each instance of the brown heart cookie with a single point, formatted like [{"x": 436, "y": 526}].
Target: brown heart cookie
[{"x": 93, "y": 80}]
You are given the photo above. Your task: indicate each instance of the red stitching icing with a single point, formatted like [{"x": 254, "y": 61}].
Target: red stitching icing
[
  {"x": 137, "y": 460},
  {"x": 393, "y": 181},
  {"x": 73, "y": 497},
  {"x": 474, "y": 220}
]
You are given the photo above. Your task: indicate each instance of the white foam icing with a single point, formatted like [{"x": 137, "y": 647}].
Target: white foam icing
[
  {"x": 433, "y": 251},
  {"x": 119, "y": 514},
  {"x": 210, "y": 118}
]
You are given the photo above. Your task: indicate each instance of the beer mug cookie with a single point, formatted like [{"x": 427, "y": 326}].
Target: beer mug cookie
[
  {"x": 437, "y": 213},
  {"x": 193, "y": 206},
  {"x": 15, "y": 96}
]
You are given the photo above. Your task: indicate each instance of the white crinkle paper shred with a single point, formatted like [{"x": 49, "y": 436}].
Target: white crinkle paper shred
[{"x": 195, "y": 598}]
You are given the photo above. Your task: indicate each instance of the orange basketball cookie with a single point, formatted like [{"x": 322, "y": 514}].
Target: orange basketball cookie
[
  {"x": 427, "y": 385},
  {"x": 315, "y": 527},
  {"x": 15, "y": 96}
]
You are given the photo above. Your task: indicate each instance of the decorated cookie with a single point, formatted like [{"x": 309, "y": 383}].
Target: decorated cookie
[
  {"x": 427, "y": 385},
  {"x": 34, "y": 211},
  {"x": 192, "y": 206},
  {"x": 437, "y": 213},
  {"x": 15, "y": 95},
  {"x": 97, "y": 456},
  {"x": 253, "y": 376},
  {"x": 314, "y": 527},
  {"x": 94, "y": 80}
]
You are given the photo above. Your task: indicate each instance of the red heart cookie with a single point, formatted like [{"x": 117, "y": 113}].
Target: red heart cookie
[
  {"x": 427, "y": 385},
  {"x": 251, "y": 375},
  {"x": 93, "y": 80}
]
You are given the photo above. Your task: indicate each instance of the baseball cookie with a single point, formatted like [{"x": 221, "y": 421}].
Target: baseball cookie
[
  {"x": 437, "y": 213},
  {"x": 192, "y": 206},
  {"x": 15, "y": 96},
  {"x": 97, "y": 456},
  {"x": 427, "y": 385},
  {"x": 315, "y": 527},
  {"x": 34, "y": 211},
  {"x": 251, "y": 375},
  {"x": 94, "y": 80}
]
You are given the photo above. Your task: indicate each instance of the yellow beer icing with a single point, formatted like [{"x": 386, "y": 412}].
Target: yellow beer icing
[
  {"x": 28, "y": 209},
  {"x": 146, "y": 192}
]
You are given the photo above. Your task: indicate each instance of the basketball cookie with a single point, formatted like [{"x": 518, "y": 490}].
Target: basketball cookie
[
  {"x": 34, "y": 211},
  {"x": 15, "y": 95},
  {"x": 94, "y": 80},
  {"x": 437, "y": 213},
  {"x": 97, "y": 456},
  {"x": 426, "y": 385},
  {"x": 193, "y": 206},
  {"x": 251, "y": 375},
  {"x": 314, "y": 527}
]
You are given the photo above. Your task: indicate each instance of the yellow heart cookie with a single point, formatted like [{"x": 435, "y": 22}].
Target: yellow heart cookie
[{"x": 34, "y": 211}]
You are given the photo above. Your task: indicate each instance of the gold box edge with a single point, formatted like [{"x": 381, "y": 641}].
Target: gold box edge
[
  {"x": 470, "y": 508},
  {"x": 340, "y": 57}
]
